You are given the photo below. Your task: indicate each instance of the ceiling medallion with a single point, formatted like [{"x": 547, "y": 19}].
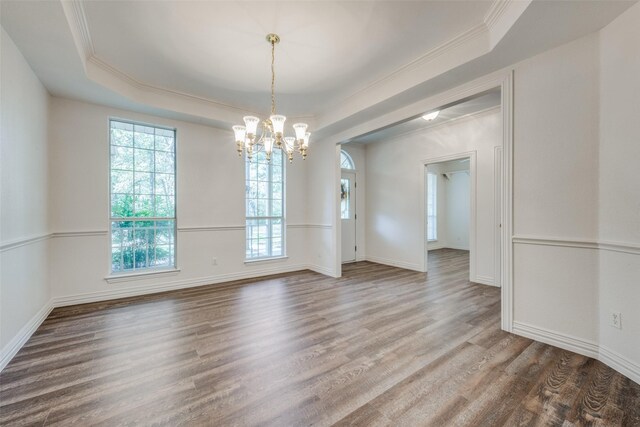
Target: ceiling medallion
[{"x": 272, "y": 129}]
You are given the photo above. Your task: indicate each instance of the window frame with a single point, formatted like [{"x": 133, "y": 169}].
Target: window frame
[
  {"x": 131, "y": 274},
  {"x": 282, "y": 218},
  {"x": 349, "y": 158},
  {"x": 433, "y": 195}
]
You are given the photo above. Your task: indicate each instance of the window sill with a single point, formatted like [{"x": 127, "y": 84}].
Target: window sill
[
  {"x": 432, "y": 241},
  {"x": 149, "y": 274},
  {"x": 261, "y": 260}
]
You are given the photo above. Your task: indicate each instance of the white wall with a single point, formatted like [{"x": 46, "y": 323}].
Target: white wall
[
  {"x": 323, "y": 180},
  {"x": 358, "y": 155},
  {"x": 576, "y": 195},
  {"x": 24, "y": 229},
  {"x": 210, "y": 198},
  {"x": 556, "y": 189},
  {"x": 395, "y": 170},
  {"x": 619, "y": 185}
]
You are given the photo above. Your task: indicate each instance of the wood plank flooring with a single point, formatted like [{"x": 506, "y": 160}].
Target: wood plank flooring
[{"x": 380, "y": 346}]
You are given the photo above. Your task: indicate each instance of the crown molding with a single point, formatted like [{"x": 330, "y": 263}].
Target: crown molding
[
  {"x": 77, "y": 19},
  {"x": 466, "y": 46}
]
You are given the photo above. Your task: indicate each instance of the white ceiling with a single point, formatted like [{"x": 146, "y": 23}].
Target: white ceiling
[
  {"x": 339, "y": 63},
  {"x": 218, "y": 49}
]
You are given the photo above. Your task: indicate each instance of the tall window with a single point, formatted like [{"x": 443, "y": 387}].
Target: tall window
[
  {"x": 432, "y": 209},
  {"x": 265, "y": 206},
  {"x": 143, "y": 184}
]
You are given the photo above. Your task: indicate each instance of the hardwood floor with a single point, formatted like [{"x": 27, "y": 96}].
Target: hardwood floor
[{"x": 380, "y": 346}]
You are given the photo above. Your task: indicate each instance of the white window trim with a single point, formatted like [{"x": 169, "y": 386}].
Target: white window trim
[
  {"x": 120, "y": 276},
  {"x": 434, "y": 196},
  {"x": 148, "y": 273},
  {"x": 266, "y": 259}
]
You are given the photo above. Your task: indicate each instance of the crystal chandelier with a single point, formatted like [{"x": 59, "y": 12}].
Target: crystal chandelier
[{"x": 272, "y": 129}]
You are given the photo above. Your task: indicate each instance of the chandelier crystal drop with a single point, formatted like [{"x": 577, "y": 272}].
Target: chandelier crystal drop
[{"x": 272, "y": 129}]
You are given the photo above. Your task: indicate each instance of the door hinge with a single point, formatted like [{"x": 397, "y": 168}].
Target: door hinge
[
  {"x": 355, "y": 185},
  {"x": 356, "y": 249},
  {"x": 355, "y": 216}
]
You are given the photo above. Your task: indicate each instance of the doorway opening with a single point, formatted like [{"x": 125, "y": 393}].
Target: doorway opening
[
  {"x": 450, "y": 203},
  {"x": 348, "y": 207},
  {"x": 472, "y": 122}
]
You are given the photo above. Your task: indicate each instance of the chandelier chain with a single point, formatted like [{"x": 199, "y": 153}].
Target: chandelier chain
[
  {"x": 253, "y": 140},
  {"x": 273, "y": 77}
]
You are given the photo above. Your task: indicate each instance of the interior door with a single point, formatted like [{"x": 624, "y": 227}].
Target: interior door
[{"x": 348, "y": 215}]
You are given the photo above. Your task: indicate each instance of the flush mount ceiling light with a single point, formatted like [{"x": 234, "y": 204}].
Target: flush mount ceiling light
[
  {"x": 272, "y": 129},
  {"x": 431, "y": 116}
]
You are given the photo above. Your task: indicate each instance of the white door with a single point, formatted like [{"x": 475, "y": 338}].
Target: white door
[{"x": 348, "y": 215}]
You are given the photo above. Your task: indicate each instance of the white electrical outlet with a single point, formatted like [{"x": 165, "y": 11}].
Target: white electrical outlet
[
  {"x": 214, "y": 261},
  {"x": 616, "y": 320}
]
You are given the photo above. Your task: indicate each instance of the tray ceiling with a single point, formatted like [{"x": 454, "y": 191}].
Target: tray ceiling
[{"x": 338, "y": 62}]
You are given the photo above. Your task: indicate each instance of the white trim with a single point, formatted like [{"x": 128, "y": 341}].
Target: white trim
[
  {"x": 87, "y": 233},
  {"x": 471, "y": 155},
  {"x": 16, "y": 243},
  {"x": 628, "y": 248},
  {"x": 552, "y": 241},
  {"x": 587, "y": 348},
  {"x": 564, "y": 341},
  {"x": 23, "y": 335},
  {"x": 431, "y": 246},
  {"x": 394, "y": 263},
  {"x": 506, "y": 246},
  {"x": 321, "y": 226},
  {"x": 326, "y": 271},
  {"x": 485, "y": 280},
  {"x": 498, "y": 176},
  {"x": 620, "y": 363},
  {"x": 265, "y": 260},
  {"x": 146, "y": 274},
  {"x": 152, "y": 288},
  {"x": 211, "y": 228}
]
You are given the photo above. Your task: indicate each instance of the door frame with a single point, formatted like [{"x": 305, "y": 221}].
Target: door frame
[
  {"x": 354, "y": 190},
  {"x": 502, "y": 79},
  {"x": 473, "y": 250}
]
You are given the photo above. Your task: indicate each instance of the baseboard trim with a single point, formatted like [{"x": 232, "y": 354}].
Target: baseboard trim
[
  {"x": 484, "y": 280},
  {"x": 586, "y": 348},
  {"x": 620, "y": 363},
  {"x": 394, "y": 263},
  {"x": 547, "y": 336},
  {"x": 24, "y": 334},
  {"x": 152, "y": 288},
  {"x": 322, "y": 270}
]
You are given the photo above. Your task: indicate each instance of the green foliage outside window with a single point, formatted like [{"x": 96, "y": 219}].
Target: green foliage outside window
[{"x": 142, "y": 186}]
